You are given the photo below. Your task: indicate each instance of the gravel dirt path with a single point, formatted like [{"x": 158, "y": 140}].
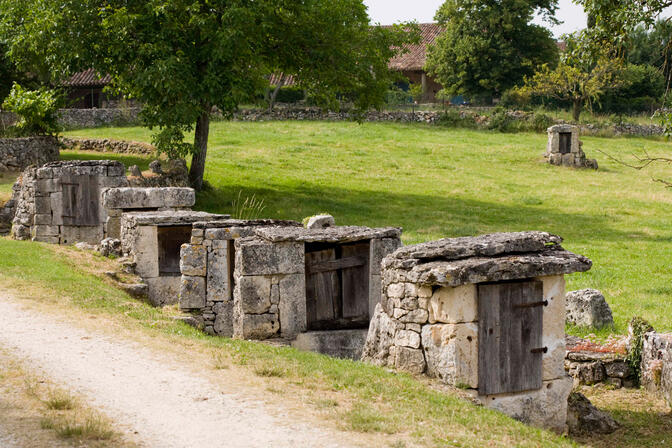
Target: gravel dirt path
[{"x": 155, "y": 400}]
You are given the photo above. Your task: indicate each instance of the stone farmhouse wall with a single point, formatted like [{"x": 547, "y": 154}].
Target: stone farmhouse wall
[{"x": 17, "y": 154}]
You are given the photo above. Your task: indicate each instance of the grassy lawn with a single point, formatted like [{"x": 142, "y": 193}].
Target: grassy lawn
[{"x": 437, "y": 182}]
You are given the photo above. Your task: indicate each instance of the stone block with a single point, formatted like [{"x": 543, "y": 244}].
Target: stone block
[
  {"x": 374, "y": 293},
  {"x": 544, "y": 408},
  {"x": 146, "y": 252},
  {"x": 618, "y": 369},
  {"x": 224, "y": 319},
  {"x": 379, "y": 249},
  {"x": 452, "y": 305},
  {"x": 113, "y": 227},
  {"x": 193, "y": 260},
  {"x": 292, "y": 305},
  {"x": 139, "y": 198},
  {"x": 408, "y": 359},
  {"x": 588, "y": 308},
  {"x": 418, "y": 316},
  {"x": 48, "y": 185},
  {"x": 43, "y": 205},
  {"x": 380, "y": 339},
  {"x": 256, "y": 326},
  {"x": 192, "y": 293},
  {"x": 320, "y": 222},
  {"x": 553, "y": 361},
  {"x": 407, "y": 338},
  {"x": 219, "y": 276},
  {"x": 253, "y": 294},
  {"x": 553, "y": 319},
  {"x": 163, "y": 291},
  {"x": 89, "y": 234},
  {"x": 42, "y": 220},
  {"x": 45, "y": 231},
  {"x": 347, "y": 344},
  {"x": 47, "y": 239},
  {"x": 451, "y": 352},
  {"x": 259, "y": 257},
  {"x": 396, "y": 291}
]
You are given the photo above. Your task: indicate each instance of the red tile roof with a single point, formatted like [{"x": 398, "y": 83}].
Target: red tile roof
[
  {"x": 87, "y": 78},
  {"x": 288, "y": 80},
  {"x": 416, "y": 56}
]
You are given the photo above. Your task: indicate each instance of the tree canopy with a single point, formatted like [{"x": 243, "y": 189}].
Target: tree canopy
[
  {"x": 490, "y": 46},
  {"x": 182, "y": 58}
]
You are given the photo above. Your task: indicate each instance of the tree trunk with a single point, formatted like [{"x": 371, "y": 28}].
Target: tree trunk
[
  {"x": 274, "y": 95},
  {"x": 576, "y": 109},
  {"x": 201, "y": 146}
]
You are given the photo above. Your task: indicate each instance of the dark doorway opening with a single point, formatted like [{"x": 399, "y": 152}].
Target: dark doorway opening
[{"x": 170, "y": 240}]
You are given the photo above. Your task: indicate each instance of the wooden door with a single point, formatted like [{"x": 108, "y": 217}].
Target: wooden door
[
  {"x": 510, "y": 330},
  {"x": 337, "y": 286},
  {"x": 81, "y": 200}
]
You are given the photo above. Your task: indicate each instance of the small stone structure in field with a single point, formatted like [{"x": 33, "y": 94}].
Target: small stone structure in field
[
  {"x": 486, "y": 314},
  {"x": 564, "y": 147},
  {"x": 17, "y": 154},
  {"x": 153, "y": 240},
  {"x": 61, "y": 202},
  {"x": 266, "y": 281},
  {"x": 117, "y": 201}
]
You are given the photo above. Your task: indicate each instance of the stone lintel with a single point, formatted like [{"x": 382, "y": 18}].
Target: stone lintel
[
  {"x": 168, "y": 218},
  {"x": 133, "y": 197},
  {"x": 226, "y": 223},
  {"x": 338, "y": 234}
]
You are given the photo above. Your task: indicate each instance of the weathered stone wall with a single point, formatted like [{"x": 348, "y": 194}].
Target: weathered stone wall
[
  {"x": 86, "y": 118},
  {"x": 657, "y": 364},
  {"x": 589, "y": 363},
  {"x": 207, "y": 290},
  {"x": 39, "y": 209},
  {"x": 17, "y": 154},
  {"x": 107, "y": 145}
]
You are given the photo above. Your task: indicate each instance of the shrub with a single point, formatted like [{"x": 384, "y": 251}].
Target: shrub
[
  {"x": 502, "y": 121},
  {"x": 36, "y": 110},
  {"x": 638, "y": 327},
  {"x": 453, "y": 118},
  {"x": 539, "y": 122}
]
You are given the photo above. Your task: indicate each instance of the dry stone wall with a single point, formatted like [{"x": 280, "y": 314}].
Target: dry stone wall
[
  {"x": 107, "y": 145},
  {"x": 17, "y": 154}
]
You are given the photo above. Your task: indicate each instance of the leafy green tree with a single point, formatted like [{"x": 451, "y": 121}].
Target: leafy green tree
[
  {"x": 641, "y": 91},
  {"x": 183, "y": 58},
  {"x": 36, "y": 110},
  {"x": 490, "y": 46},
  {"x": 583, "y": 75}
]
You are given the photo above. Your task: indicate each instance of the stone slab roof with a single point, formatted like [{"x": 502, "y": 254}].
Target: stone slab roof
[
  {"x": 226, "y": 223},
  {"x": 151, "y": 197},
  {"x": 487, "y": 258},
  {"x": 338, "y": 234},
  {"x": 171, "y": 217}
]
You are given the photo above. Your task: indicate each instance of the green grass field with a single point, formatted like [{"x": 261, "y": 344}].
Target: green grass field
[{"x": 437, "y": 182}]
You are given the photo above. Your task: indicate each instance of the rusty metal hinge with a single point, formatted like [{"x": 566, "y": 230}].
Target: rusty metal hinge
[{"x": 539, "y": 350}]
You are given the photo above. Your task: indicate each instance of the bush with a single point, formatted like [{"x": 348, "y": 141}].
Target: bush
[
  {"x": 37, "y": 111},
  {"x": 539, "y": 122},
  {"x": 395, "y": 96},
  {"x": 502, "y": 121},
  {"x": 454, "y": 119}
]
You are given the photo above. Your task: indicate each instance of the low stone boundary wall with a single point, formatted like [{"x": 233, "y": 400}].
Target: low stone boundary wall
[
  {"x": 107, "y": 145},
  {"x": 86, "y": 118},
  {"x": 17, "y": 154}
]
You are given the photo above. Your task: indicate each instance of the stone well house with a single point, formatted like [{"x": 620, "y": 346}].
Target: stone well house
[
  {"x": 260, "y": 280},
  {"x": 486, "y": 314}
]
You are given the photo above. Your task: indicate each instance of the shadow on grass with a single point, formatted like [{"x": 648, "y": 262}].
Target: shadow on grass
[
  {"x": 422, "y": 216},
  {"x": 639, "y": 429}
]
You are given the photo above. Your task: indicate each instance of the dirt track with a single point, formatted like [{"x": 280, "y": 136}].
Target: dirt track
[{"x": 154, "y": 399}]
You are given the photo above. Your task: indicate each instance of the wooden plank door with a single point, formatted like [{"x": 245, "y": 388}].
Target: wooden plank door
[
  {"x": 510, "y": 330},
  {"x": 322, "y": 288},
  {"x": 355, "y": 282},
  {"x": 81, "y": 200}
]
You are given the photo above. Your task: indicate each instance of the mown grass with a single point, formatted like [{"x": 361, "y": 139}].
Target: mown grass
[
  {"x": 437, "y": 182},
  {"x": 360, "y": 397}
]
